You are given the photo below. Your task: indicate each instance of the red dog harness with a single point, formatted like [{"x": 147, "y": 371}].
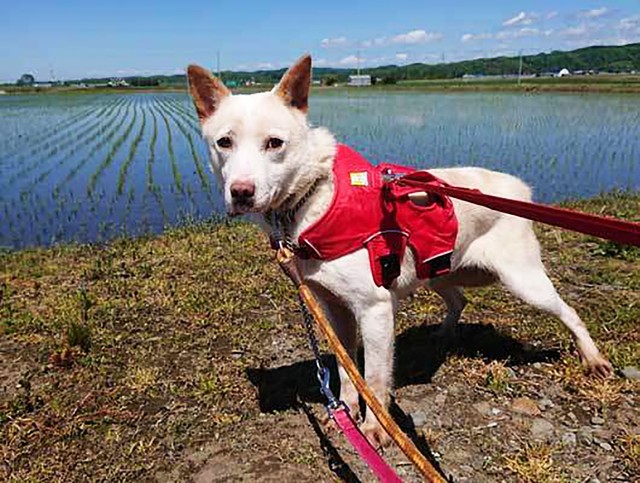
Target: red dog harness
[{"x": 368, "y": 212}]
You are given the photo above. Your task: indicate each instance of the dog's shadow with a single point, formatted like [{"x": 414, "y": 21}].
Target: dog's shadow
[
  {"x": 419, "y": 355},
  {"x": 420, "y": 352}
]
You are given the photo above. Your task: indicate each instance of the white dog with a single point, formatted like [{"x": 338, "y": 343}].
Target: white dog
[{"x": 268, "y": 158}]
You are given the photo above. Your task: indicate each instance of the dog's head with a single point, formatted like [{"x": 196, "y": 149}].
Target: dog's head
[{"x": 257, "y": 142}]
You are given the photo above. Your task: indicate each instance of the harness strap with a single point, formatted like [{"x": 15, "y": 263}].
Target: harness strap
[
  {"x": 367, "y": 452},
  {"x": 619, "y": 231}
]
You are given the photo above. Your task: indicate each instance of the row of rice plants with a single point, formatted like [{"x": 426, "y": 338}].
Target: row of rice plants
[
  {"x": 204, "y": 180},
  {"x": 57, "y": 145},
  {"x": 177, "y": 177},
  {"x": 106, "y": 162},
  {"x": 25, "y": 124},
  {"x": 68, "y": 149},
  {"x": 38, "y": 141},
  {"x": 104, "y": 140},
  {"x": 184, "y": 195},
  {"x": 152, "y": 188},
  {"x": 188, "y": 114},
  {"x": 124, "y": 167}
]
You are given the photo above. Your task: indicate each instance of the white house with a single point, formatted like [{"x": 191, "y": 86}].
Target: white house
[
  {"x": 359, "y": 80},
  {"x": 564, "y": 72}
]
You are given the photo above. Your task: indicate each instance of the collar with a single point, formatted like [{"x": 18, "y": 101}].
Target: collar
[{"x": 279, "y": 220}]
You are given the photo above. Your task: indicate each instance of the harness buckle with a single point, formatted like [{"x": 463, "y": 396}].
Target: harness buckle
[{"x": 389, "y": 176}]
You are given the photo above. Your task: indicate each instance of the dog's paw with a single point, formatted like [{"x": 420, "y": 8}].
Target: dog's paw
[
  {"x": 327, "y": 423},
  {"x": 376, "y": 435},
  {"x": 599, "y": 367}
]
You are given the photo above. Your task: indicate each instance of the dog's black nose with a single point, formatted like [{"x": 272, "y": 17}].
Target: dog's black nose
[{"x": 242, "y": 191}]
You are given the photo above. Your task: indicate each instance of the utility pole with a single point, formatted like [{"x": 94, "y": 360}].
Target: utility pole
[{"x": 520, "y": 68}]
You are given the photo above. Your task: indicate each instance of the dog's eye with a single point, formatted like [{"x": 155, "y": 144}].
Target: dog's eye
[
  {"x": 274, "y": 143},
  {"x": 224, "y": 142}
]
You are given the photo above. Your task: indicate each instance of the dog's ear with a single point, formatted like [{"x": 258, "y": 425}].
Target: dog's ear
[
  {"x": 206, "y": 90},
  {"x": 293, "y": 88}
]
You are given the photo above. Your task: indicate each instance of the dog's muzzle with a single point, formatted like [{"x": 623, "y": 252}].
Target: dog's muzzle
[{"x": 242, "y": 195}]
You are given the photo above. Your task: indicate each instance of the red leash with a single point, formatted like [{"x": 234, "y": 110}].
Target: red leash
[{"x": 619, "y": 231}]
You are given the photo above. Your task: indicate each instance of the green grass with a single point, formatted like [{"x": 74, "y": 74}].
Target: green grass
[{"x": 123, "y": 356}]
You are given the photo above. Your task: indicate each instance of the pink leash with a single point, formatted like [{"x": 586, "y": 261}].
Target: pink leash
[{"x": 362, "y": 445}]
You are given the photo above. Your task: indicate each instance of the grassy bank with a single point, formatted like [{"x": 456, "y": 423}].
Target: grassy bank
[
  {"x": 596, "y": 84},
  {"x": 157, "y": 358}
]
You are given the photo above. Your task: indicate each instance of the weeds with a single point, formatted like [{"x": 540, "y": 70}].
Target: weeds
[{"x": 534, "y": 464}]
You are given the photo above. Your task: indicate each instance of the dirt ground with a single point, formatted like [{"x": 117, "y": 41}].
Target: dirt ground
[{"x": 178, "y": 358}]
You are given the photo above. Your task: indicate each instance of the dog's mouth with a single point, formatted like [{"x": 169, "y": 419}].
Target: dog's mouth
[
  {"x": 251, "y": 205},
  {"x": 239, "y": 209}
]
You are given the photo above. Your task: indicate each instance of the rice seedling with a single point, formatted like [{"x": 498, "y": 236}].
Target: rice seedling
[
  {"x": 124, "y": 167},
  {"x": 177, "y": 178},
  {"x": 106, "y": 162}
]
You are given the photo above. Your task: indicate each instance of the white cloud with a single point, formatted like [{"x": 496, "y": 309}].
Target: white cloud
[
  {"x": 402, "y": 56},
  {"x": 552, "y": 14},
  {"x": 350, "y": 60},
  {"x": 416, "y": 37},
  {"x": 520, "y": 33},
  {"x": 334, "y": 42},
  {"x": 412, "y": 37},
  {"x": 264, "y": 65},
  {"x": 377, "y": 42},
  {"x": 320, "y": 62},
  {"x": 523, "y": 18},
  {"x": 630, "y": 23},
  {"x": 594, "y": 13},
  {"x": 473, "y": 37},
  {"x": 577, "y": 31}
]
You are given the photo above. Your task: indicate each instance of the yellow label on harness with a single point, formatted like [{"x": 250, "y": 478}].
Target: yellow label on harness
[{"x": 359, "y": 179}]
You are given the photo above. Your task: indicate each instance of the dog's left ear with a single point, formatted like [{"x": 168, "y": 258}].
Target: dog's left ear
[{"x": 293, "y": 88}]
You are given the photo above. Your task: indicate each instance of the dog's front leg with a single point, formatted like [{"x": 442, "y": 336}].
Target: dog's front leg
[
  {"x": 374, "y": 310},
  {"x": 344, "y": 324},
  {"x": 376, "y": 325}
]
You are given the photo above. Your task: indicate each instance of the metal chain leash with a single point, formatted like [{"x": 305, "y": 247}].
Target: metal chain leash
[
  {"x": 280, "y": 238},
  {"x": 322, "y": 373}
]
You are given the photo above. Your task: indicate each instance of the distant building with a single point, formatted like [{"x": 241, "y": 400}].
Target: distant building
[
  {"x": 564, "y": 72},
  {"x": 117, "y": 83},
  {"x": 359, "y": 80}
]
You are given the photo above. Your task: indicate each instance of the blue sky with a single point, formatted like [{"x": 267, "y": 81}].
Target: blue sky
[{"x": 83, "y": 38}]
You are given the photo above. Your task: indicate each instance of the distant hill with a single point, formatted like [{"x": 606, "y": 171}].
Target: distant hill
[{"x": 625, "y": 58}]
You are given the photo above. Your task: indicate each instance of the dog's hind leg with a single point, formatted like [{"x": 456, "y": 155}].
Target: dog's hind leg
[
  {"x": 527, "y": 280},
  {"x": 455, "y": 302}
]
